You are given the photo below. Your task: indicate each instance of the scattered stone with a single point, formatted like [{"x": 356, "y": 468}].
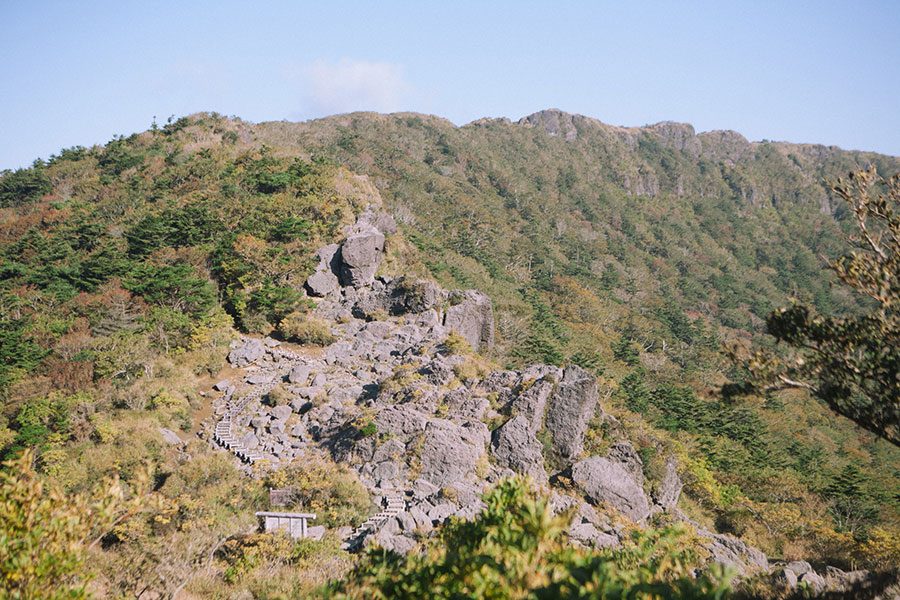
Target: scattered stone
[
  {"x": 815, "y": 582},
  {"x": 322, "y": 283},
  {"x": 532, "y": 402},
  {"x": 318, "y": 380},
  {"x": 270, "y": 343},
  {"x": 221, "y": 386},
  {"x": 315, "y": 532},
  {"x": 785, "y": 578}
]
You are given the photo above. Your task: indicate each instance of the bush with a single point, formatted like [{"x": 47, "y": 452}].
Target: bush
[{"x": 297, "y": 327}]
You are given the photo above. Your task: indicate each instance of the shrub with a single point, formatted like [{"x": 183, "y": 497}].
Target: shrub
[{"x": 297, "y": 327}]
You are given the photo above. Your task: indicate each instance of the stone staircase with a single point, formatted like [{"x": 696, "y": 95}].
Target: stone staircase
[
  {"x": 394, "y": 504},
  {"x": 223, "y": 435}
]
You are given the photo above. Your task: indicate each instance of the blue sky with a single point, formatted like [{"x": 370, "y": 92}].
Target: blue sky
[{"x": 78, "y": 73}]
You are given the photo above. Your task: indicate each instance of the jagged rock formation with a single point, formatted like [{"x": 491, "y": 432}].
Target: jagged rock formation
[{"x": 429, "y": 453}]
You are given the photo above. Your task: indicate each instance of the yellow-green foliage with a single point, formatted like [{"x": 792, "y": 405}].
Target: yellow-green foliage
[
  {"x": 516, "y": 549},
  {"x": 44, "y": 532},
  {"x": 299, "y": 328},
  {"x": 457, "y": 344},
  {"x": 402, "y": 376},
  {"x": 330, "y": 490}
]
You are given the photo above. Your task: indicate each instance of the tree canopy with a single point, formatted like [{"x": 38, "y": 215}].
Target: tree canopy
[{"x": 850, "y": 362}]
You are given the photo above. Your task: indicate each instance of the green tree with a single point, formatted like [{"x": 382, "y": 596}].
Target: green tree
[{"x": 852, "y": 363}]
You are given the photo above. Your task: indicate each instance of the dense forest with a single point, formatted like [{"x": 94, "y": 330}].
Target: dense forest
[{"x": 650, "y": 257}]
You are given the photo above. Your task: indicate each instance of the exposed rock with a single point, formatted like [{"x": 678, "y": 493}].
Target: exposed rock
[
  {"x": 281, "y": 413},
  {"x": 667, "y": 491},
  {"x": 399, "y": 297},
  {"x": 259, "y": 378},
  {"x": 625, "y": 454},
  {"x": 451, "y": 451},
  {"x": 298, "y": 375},
  {"x": 589, "y": 535},
  {"x": 515, "y": 446},
  {"x": 402, "y": 422},
  {"x": 221, "y": 386},
  {"x": 386, "y": 470},
  {"x": 440, "y": 512},
  {"x": 407, "y": 521},
  {"x": 250, "y": 441},
  {"x": 259, "y": 422},
  {"x": 800, "y": 567},
  {"x": 315, "y": 532},
  {"x": 531, "y": 404},
  {"x": 325, "y": 279},
  {"x": 170, "y": 436},
  {"x": 318, "y": 380},
  {"x": 570, "y": 409},
  {"x": 276, "y": 427},
  {"x": 471, "y": 314},
  {"x": 390, "y": 450},
  {"x": 736, "y": 553},
  {"x": 815, "y": 582},
  {"x": 608, "y": 482},
  {"x": 360, "y": 256},
  {"x": 785, "y": 578},
  {"x": 247, "y": 353},
  {"x": 378, "y": 219}
]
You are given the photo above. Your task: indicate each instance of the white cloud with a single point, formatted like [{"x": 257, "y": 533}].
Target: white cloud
[{"x": 349, "y": 85}]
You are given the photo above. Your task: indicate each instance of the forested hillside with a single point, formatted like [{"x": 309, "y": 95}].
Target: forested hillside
[{"x": 638, "y": 254}]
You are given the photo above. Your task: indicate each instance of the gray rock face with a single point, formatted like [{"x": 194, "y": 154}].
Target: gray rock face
[
  {"x": 668, "y": 491},
  {"x": 281, "y": 413},
  {"x": 170, "y": 436},
  {"x": 785, "y": 578},
  {"x": 570, "y": 409},
  {"x": 515, "y": 446},
  {"x": 247, "y": 353},
  {"x": 451, "y": 451},
  {"x": 399, "y": 297},
  {"x": 400, "y": 421},
  {"x": 799, "y": 567},
  {"x": 625, "y": 454},
  {"x": 589, "y": 535},
  {"x": 731, "y": 551},
  {"x": 605, "y": 481},
  {"x": 259, "y": 378},
  {"x": 816, "y": 582},
  {"x": 221, "y": 386},
  {"x": 298, "y": 375},
  {"x": 322, "y": 283},
  {"x": 532, "y": 403},
  {"x": 360, "y": 256},
  {"x": 471, "y": 314},
  {"x": 378, "y": 219}
]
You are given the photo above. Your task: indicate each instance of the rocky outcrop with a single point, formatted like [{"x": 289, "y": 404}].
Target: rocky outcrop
[
  {"x": 515, "y": 446},
  {"x": 569, "y": 411},
  {"x": 471, "y": 315},
  {"x": 607, "y": 482},
  {"x": 398, "y": 297},
  {"x": 451, "y": 451},
  {"x": 360, "y": 256},
  {"x": 668, "y": 490}
]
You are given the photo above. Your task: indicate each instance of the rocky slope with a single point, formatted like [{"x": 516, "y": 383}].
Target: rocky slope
[{"x": 428, "y": 426}]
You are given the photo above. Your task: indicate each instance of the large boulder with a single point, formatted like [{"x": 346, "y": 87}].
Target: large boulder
[
  {"x": 625, "y": 454},
  {"x": 667, "y": 492},
  {"x": 325, "y": 279},
  {"x": 532, "y": 403},
  {"x": 451, "y": 451},
  {"x": 471, "y": 315},
  {"x": 361, "y": 254},
  {"x": 570, "y": 409},
  {"x": 610, "y": 483},
  {"x": 401, "y": 421},
  {"x": 730, "y": 551},
  {"x": 515, "y": 446},
  {"x": 400, "y": 296},
  {"x": 247, "y": 353}
]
